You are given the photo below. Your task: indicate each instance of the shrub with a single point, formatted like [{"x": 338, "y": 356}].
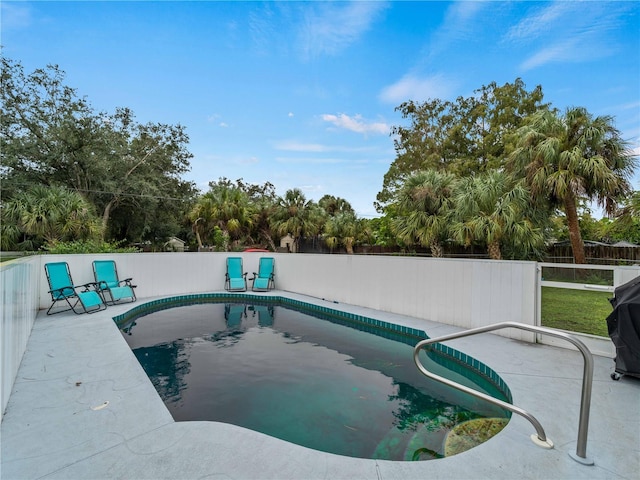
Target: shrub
[{"x": 88, "y": 246}]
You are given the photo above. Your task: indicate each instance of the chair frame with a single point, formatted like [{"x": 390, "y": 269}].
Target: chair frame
[
  {"x": 69, "y": 293},
  {"x": 270, "y": 278},
  {"x": 104, "y": 288},
  {"x": 227, "y": 278}
]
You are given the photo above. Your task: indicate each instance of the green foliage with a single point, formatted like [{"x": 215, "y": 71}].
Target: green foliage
[
  {"x": 227, "y": 208},
  {"x": 496, "y": 209},
  {"x": 625, "y": 226},
  {"x": 297, "y": 216},
  {"x": 220, "y": 240},
  {"x": 129, "y": 172},
  {"x": 342, "y": 229},
  {"x": 88, "y": 246},
  {"x": 464, "y": 137},
  {"x": 424, "y": 205},
  {"x": 47, "y": 214},
  {"x": 381, "y": 231},
  {"x": 621, "y": 229},
  {"x": 335, "y": 205},
  {"x": 566, "y": 158}
]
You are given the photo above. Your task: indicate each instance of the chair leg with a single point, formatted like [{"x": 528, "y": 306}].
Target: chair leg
[{"x": 66, "y": 299}]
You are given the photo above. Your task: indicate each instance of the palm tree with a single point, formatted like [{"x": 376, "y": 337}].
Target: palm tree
[
  {"x": 224, "y": 207},
  {"x": 423, "y": 204},
  {"x": 202, "y": 218},
  {"x": 264, "y": 209},
  {"x": 47, "y": 214},
  {"x": 494, "y": 209},
  {"x": 342, "y": 229},
  {"x": 630, "y": 208},
  {"x": 296, "y": 216},
  {"x": 335, "y": 205},
  {"x": 565, "y": 158}
]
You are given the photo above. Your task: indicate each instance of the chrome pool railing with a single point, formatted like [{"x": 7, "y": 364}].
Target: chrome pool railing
[{"x": 539, "y": 437}]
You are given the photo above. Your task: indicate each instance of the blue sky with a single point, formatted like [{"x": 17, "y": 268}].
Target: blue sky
[{"x": 303, "y": 94}]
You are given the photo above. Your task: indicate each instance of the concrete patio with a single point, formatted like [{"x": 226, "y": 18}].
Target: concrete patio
[{"x": 83, "y": 408}]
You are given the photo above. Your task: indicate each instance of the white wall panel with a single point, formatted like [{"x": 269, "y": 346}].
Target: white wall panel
[
  {"x": 20, "y": 290},
  {"x": 464, "y": 293}
]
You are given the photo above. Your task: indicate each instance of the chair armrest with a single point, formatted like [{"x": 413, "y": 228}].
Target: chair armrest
[
  {"x": 61, "y": 289},
  {"x": 86, "y": 286}
]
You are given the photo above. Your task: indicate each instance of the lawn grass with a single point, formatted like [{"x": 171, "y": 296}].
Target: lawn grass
[{"x": 576, "y": 310}]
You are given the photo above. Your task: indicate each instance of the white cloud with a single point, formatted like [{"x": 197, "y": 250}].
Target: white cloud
[
  {"x": 329, "y": 27},
  {"x": 463, "y": 12},
  {"x": 310, "y": 160},
  {"x": 460, "y": 24},
  {"x": 539, "y": 22},
  {"x": 262, "y": 29},
  {"x": 296, "y": 146},
  {"x": 356, "y": 124},
  {"x": 553, "y": 53},
  {"x": 567, "y": 32},
  {"x": 15, "y": 15},
  {"x": 293, "y": 146},
  {"x": 411, "y": 87},
  {"x": 312, "y": 188},
  {"x": 290, "y": 114},
  {"x": 574, "y": 50},
  {"x": 216, "y": 118}
]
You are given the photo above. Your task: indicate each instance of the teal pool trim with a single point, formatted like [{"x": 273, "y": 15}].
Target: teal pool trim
[{"x": 408, "y": 335}]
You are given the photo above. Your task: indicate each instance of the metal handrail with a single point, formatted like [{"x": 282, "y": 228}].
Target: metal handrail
[{"x": 540, "y": 437}]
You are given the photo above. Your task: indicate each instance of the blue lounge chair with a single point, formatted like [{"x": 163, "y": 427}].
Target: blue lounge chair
[
  {"x": 235, "y": 280},
  {"x": 110, "y": 287},
  {"x": 233, "y": 314},
  {"x": 62, "y": 290},
  {"x": 265, "y": 314},
  {"x": 263, "y": 281}
]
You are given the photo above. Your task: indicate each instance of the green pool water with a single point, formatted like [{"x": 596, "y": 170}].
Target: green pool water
[{"x": 315, "y": 379}]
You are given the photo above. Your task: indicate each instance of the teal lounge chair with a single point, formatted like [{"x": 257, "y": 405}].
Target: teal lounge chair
[
  {"x": 265, "y": 314},
  {"x": 233, "y": 314},
  {"x": 110, "y": 287},
  {"x": 62, "y": 290},
  {"x": 235, "y": 280},
  {"x": 263, "y": 281}
]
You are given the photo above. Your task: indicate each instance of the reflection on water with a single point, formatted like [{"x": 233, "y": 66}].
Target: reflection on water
[
  {"x": 306, "y": 380},
  {"x": 167, "y": 366}
]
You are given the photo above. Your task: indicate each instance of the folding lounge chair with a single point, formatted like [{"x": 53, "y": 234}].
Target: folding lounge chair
[
  {"x": 62, "y": 290},
  {"x": 235, "y": 280},
  {"x": 110, "y": 287},
  {"x": 263, "y": 281},
  {"x": 233, "y": 314},
  {"x": 265, "y": 314}
]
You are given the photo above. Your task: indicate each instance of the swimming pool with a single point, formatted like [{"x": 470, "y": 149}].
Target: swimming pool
[{"x": 307, "y": 374}]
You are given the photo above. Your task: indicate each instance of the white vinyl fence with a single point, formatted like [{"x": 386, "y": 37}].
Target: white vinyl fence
[{"x": 461, "y": 292}]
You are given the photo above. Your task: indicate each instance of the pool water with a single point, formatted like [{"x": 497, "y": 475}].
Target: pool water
[{"x": 316, "y": 382}]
